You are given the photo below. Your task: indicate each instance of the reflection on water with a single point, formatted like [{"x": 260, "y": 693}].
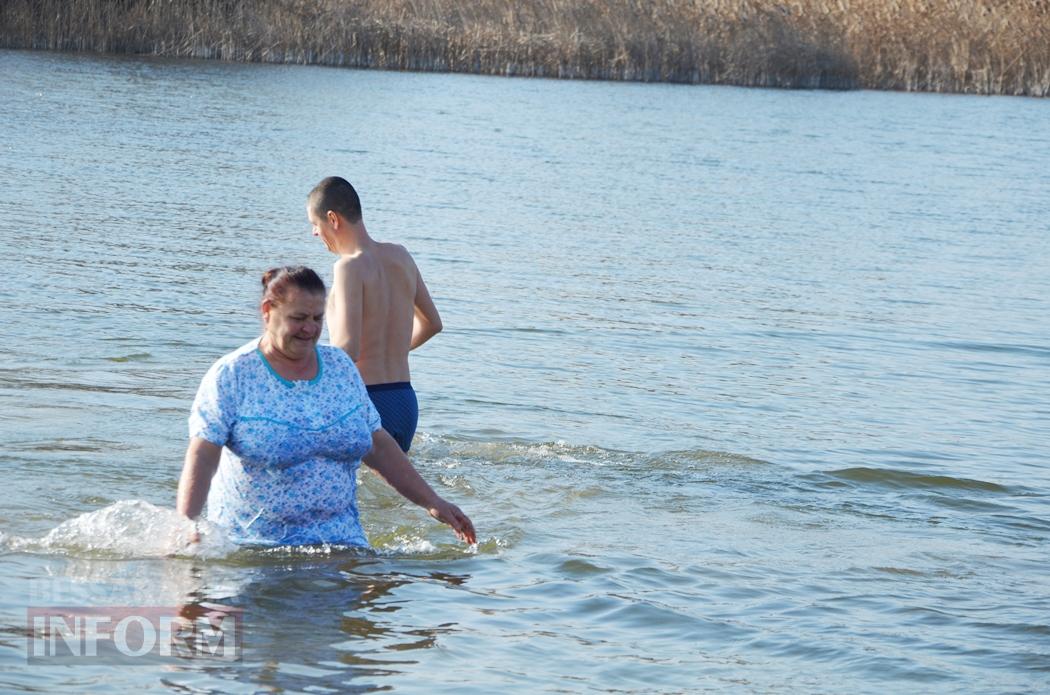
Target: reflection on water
[
  {"x": 305, "y": 622},
  {"x": 312, "y": 625}
]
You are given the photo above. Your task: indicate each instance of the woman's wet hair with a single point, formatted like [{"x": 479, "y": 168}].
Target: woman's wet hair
[
  {"x": 335, "y": 194},
  {"x": 277, "y": 281}
]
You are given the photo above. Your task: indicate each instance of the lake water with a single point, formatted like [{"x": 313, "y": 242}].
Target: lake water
[{"x": 745, "y": 390}]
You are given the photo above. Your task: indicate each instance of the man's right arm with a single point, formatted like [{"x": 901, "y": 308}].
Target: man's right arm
[
  {"x": 426, "y": 322},
  {"x": 346, "y": 312}
]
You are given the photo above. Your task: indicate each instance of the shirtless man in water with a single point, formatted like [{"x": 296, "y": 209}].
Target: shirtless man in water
[{"x": 379, "y": 307}]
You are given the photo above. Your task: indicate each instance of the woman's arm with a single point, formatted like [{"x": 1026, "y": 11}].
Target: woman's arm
[
  {"x": 391, "y": 464},
  {"x": 202, "y": 460}
]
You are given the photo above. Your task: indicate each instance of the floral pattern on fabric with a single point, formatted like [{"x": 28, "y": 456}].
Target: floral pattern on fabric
[{"x": 291, "y": 449}]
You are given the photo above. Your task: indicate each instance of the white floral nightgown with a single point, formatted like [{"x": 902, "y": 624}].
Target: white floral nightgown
[{"x": 291, "y": 449}]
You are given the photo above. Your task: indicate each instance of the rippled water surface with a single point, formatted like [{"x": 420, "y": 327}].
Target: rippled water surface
[{"x": 745, "y": 390}]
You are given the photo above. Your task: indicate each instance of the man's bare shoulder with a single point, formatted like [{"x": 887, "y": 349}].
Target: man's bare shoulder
[
  {"x": 350, "y": 264},
  {"x": 394, "y": 249},
  {"x": 398, "y": 254}
]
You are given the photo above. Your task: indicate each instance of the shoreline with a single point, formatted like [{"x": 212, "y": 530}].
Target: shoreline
[{"x": 979, "y": 47}]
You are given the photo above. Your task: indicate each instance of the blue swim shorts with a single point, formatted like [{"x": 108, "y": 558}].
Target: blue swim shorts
[{"x": 398, "y": 409}]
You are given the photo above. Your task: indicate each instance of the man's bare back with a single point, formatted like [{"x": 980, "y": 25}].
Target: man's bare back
[{"x": 376, "y": 295}]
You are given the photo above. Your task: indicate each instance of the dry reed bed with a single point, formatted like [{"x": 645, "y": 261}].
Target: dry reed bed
[{"x": 973, "y": 46}]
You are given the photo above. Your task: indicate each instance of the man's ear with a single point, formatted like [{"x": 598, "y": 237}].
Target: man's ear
[{"x": 333, "y": 218}]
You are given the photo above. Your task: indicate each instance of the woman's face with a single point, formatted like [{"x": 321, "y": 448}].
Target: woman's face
[{"x": 294, "y": 325}]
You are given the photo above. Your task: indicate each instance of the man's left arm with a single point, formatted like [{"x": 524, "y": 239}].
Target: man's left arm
[{"x": 426, "y": 321}]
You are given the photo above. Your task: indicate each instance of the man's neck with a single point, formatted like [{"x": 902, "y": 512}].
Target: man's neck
[{"x": 354, "y": 240}]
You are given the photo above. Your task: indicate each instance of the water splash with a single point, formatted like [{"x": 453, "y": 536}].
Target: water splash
[
  {"x": 405, "y": 545},
  {"x": 128, "y": 529}
]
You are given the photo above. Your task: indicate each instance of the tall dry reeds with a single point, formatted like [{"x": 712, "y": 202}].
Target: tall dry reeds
[{"x": 975, "y": 46}]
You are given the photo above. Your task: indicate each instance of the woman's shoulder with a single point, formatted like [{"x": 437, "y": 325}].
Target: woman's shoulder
[
  {"x": 236, "y": 360},
  {"x": 246, "y": 352}
]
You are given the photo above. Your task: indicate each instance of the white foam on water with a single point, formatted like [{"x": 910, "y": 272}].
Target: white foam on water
[
  {"x": 128, "y": 529},
  {"x": 403, "y": 545}
]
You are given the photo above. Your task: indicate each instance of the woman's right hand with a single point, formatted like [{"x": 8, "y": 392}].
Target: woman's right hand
[{"x": 448, "y": 513}]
